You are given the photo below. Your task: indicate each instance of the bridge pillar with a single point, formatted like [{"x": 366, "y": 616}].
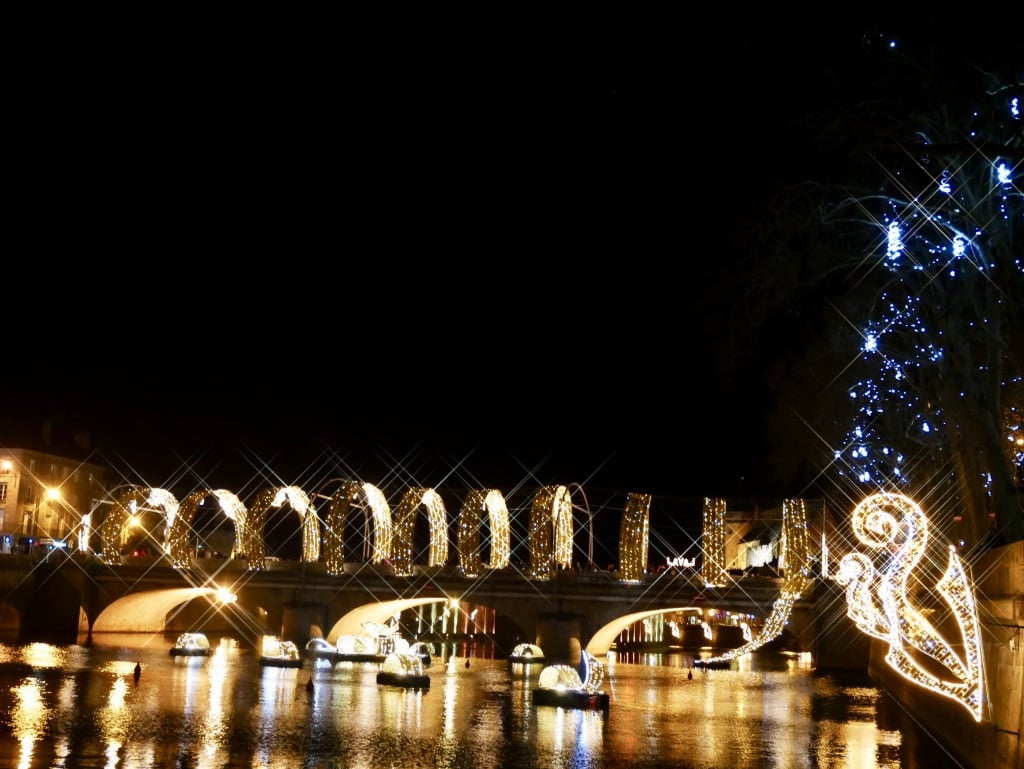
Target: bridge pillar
[
  {"x": 296, "y": 621},
  {"x": 558, "y": 634}
]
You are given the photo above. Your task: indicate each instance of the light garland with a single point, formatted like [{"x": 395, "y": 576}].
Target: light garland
[
  {"x": 470, "y": 520},
  {"x": 713, "y": 542},
  {"x": 633, "y": 537},
  {"x": 878, "y": 601}
]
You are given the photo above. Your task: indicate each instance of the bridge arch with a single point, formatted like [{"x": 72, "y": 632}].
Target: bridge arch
[
  {"x": 145, "y": 612},
  {"x": 601, "y": 641},
  {"x": 377, "y": 612}
]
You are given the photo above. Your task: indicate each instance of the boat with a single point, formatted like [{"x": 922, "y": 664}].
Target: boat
[
  {"x": 580, "y": 699},
  {"x": 321, "y": 649},
  {"x": 280, "y": 654},
  {"x": 191, "y": 645},
  {"x": 527, "y": 654},
  {"x": 403, "y": 669},
  {"x": 561, "y": 686}
]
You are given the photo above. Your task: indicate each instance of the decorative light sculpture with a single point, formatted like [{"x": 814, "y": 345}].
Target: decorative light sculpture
[
  {"x": 633, "y": 537},
  {"x": 342, "y": 501},
  {"x": 383, "y": 529},
  {"x": 168, "y": 502},
  {"x": 405, "y": 520},
  {"x": 470, "y": 520},
  {"x": 180, "y": 539},
  {"x": 713, "y": 542},
  {"x": 111, "y": 529},
  {"x": 298, "y": 500},
  {"x": 879, "y": 603},
  {"x": 550, "y": 519}
]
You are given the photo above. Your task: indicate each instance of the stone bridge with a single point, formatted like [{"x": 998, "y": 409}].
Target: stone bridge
[{"x": 72, "y": 596}]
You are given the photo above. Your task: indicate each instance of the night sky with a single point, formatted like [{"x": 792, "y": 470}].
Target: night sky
[{"x": 490, "y": 258}]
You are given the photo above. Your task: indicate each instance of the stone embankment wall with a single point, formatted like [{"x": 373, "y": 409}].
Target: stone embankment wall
[{"x": 994, "y": 742}]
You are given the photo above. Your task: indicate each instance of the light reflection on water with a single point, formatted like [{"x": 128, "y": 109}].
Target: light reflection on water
[{"x": 75, "y": 706}]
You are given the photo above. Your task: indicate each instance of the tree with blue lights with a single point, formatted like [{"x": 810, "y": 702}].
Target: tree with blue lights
[{"x": 937, "y": 398}]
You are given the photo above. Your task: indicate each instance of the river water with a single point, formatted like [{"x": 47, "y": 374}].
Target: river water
[{"x": 80, "y": 706}]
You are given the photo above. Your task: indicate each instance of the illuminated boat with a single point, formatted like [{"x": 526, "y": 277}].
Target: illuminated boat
[
  {"x": 403, "y": 669},
  {"x": 191, "y": 645},
  {"x": 527, "y": 654},
  {"x": 280, "y": 654},
  {"x": 561, "y": 686}
]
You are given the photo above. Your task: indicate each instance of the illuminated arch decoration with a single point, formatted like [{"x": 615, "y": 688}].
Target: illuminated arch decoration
[
  {"x": 376, "y": 512},
  {"x": 795, "y": 541},
  {"x": 180, "y": 540},
  {"x": 633, "y": 537},
  {"x": 383, "y": 524},
  {"x": 251, "y": 536},
  {"x": 342, "y": 501},
  {"x": 470, "y": 520},
  {"x": 713, "y": 543},
  {"x": 878, "y": 602},
  {"x": 405, "y": 520},
  {"x": 112, "y": 528},
  {"x": 550, "y": 518},
  {"x": 169, "y": 504}
]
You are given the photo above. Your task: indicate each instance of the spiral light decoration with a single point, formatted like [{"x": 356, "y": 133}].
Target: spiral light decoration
[
  {"x": 713, "y": 542},
  {"x": 878, "y": 601},
  {"x": 633, "y": 536},
  {"x": 405, "y": 520}
]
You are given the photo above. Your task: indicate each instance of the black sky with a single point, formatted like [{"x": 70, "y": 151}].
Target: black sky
[{"x": 501, "y": 250}]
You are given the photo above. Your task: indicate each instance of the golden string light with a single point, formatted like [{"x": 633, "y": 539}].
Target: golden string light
[
  {"x": 633, "y": 536},
  {"x": 713, "y": 543},
  {"x": 879, "y": 602},
  {"x": 404, "y": 526}
]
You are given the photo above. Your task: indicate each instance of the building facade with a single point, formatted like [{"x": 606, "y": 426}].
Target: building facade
[{"x": 45, "y": 495}]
